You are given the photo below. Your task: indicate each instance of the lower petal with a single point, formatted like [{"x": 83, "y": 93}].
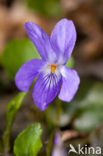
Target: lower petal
[
  {"x": 27, "y": 73},
  {"x": 45, "y": 90},
  {"x": 70, "y": 84}
]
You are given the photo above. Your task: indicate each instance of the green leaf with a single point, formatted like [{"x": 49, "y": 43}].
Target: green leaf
[
  {"x": 28, "y": 142},
  {"x": 12, "y": 109},
  {"x": 89, "y": 102},
  {"x": 89, "y": 120},
  {"x": 16, "y": 53},
  {"x": 70, "y": 63},
  {"x": 50, "y": 8}
]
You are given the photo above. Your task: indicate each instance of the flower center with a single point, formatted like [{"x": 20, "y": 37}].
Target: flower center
[{"x": 53, "y": 67}]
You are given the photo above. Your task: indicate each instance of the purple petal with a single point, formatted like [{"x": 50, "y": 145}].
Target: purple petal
[
  {"x": 58, "y": 149},
  {"x": 45, "y": 90},
  {"x": 57, "y": 139},
  {"x": 41, "y": 41},
  {"x": 63, "y": 39},
  {"x": 27, "y": 73},
  {"x": 70, "y": 84}
]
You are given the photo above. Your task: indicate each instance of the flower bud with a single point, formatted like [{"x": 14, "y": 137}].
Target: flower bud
[{"x": 58, "y": 148}]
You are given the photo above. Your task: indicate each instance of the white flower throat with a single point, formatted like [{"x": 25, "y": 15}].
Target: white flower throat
[{"x": 52, "y": 69}]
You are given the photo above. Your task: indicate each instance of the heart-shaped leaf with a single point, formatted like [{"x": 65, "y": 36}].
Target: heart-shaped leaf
[
  {"x": 16, "y": 53},
  {"x": 28, "y": 142}
]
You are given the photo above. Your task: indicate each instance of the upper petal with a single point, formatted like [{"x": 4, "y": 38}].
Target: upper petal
[
  {"x": 41, "y": 41},
  {"x": 27, "y": 73},
  {"x": 63, "y": 39},
  {"x": 45, "y": 90},
  {"x": 70, "y": 84}
]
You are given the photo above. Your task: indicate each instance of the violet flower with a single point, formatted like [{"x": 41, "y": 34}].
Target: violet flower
[
  {"x": 54, "y": 78},
  {"x": 58, "y": 148}
]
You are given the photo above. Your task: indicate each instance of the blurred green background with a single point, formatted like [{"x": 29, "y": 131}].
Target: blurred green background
[{"x": 80, "y": 121}]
